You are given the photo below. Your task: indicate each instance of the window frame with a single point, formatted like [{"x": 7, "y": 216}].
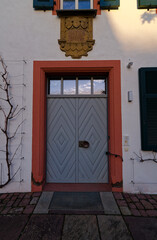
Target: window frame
[
  {"x": 143, "y": 108},
  {"x": 76, "y": 4},
  {"x": 77, "y": 94}
]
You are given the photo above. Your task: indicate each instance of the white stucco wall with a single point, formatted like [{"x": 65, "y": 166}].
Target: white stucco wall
[{"x": 127, "y": 34}]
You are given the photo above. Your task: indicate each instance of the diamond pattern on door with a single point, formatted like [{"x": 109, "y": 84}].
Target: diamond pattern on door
[
  {"x": 70, "y": 120},
  {"x": 93, "y": 164},
  {"x": 60, "y": 140}
]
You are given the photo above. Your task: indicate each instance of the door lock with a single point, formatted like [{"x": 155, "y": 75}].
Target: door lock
[{"x": 83, "y": 144}]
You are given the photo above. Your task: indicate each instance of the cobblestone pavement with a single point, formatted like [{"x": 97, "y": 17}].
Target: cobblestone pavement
[{"x": 137, "y": 220}]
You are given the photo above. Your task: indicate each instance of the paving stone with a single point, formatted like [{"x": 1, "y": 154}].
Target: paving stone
[
  {"x": 6, "y": 200},
  {"x": 43, "y": 203},
  {"x": 10, "y": 203},
  {"x": 152, "y": 201},
  {"x": 139, "y": 205},
  {"x": 11, "y": 226},
  {"x": 46, "y": 227},
  {"x": 154, "y": 196},
  {"x": 17, "y": 210},
  {"x": 13, "y": 198},
  {"x": 80, "y": 227},
  {"x": 9, "y": 195},
  {"x": 132, "y": 205},
  {"x": 147, "y": 204},
  {"x": 21, "y": 195},
  {"x": 128, "y": 199},
  {"x": 34, "y": 200},
  {"x": 140, "y": 196},
  {"x": 134, "y": 199},
  {"x": 152, "y": 213},
  {"x": 36, "y": 194},
  {"x": 3, "y": 196},
  {"x": 113, "y": 228},
  {"x": 122, "y": 203},
  {"x": 16, "y": 194},
  {"x": 143, "y": 213},
  {"x": 109, "y": 203},
  {"x": 16, "y": 203},
  {"x": 148, "y": 196},
  {"x": 155, "y": 206},
  {"x": 142, "y": 228},
  {"x": 135, "y": 212},
  {"x": 29, "y": 209},
  {"x": 118, "y": 195},
  {"x": 1, "y": 208},
  {"x": 126, "y": 195},
  {"x": 5, "y": 210},
  {"x": 28, "y": 195},
  {"x": 125, "y": 211},
  {"x": 24, "y": 202}
]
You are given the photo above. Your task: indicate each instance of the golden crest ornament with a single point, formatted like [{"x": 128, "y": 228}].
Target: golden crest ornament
[{"x": 76, "y": 36}]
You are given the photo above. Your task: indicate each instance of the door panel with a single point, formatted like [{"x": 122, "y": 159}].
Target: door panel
[
  {"x": 61, "y": 140},
  {"x": 93, "y": 163},
  {"x": 70, "y": 120}
]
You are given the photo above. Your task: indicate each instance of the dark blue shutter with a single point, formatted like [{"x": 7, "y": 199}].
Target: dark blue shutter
[
  {"x": 147, "y": 4},
  {"x": 109, "y": 4},
  {"x": 148, "y": 107},
  {"x": 43, "y": 4}
]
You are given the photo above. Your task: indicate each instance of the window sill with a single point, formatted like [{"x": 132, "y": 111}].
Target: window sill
[{"x": 78, "y": 12}]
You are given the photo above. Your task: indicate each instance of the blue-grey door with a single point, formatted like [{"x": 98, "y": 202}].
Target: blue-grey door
[{"x": 69, "y": 121}]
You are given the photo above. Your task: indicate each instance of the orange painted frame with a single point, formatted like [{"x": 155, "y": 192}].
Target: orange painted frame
[{"x": 39, "y": 114}]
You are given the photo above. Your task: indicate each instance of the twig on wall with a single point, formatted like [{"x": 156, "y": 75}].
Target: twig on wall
[
  {"x": 9, "y": 113},
  {"x": 140, "y": 157}
]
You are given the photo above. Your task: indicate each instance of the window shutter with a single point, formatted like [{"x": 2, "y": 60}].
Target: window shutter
[
  {"x": 148, "y": 107},
  {"x": 109, "y": 4},
  {"x": 43, "y": 4},
  {"x": 147, "y": 4}
]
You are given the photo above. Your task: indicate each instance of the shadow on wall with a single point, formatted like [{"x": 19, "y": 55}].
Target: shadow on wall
[{"x": 148, "y": 16}]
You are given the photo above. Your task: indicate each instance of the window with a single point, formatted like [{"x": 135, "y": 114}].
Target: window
[
  {"x": 76, "y": 4},
  {"x": 43, "y": 4},
  {"x": 147, "y": 4},
  {"x": 109, "y": 4},
  {"x": 79, "y": 86},
  {"x": 148, "y": 106}
]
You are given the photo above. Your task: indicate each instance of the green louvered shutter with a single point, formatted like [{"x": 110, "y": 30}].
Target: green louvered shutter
[
  {"x": 148, "y": 107},
  {"x": 43, "y": 4},
  {"x": 109, "y": 4},
  {"x": 147, "y": 4}
]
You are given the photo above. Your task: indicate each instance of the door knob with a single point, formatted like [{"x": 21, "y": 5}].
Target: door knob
[{"x": 83, "y": 144}]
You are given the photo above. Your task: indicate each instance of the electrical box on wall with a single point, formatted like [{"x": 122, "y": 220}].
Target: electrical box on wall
[
  {"x": 147, "y": 4},
  {"x": 109, "y": 4}
]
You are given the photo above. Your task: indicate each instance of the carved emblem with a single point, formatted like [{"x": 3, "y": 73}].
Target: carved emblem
[{"x": 76, "y": 36}]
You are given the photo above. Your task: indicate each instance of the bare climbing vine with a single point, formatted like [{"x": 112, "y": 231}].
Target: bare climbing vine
[
  {"x": 142, "y": 159},
  {"x": 9, "y": 112}
]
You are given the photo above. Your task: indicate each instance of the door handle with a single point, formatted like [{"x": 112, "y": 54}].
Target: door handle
[{"x": 83, "y": 144}]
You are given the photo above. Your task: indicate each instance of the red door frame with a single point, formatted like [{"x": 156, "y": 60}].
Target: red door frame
[{"x": 41, "y": 68}]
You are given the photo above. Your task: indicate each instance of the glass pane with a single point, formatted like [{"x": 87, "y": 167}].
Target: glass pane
[
  {"x": 69, "y": 87},
  {"x": 84, "y": 86},
  {"x": 99, "y": 86},
  {"x": 55, "y": 87},
  {"x": 68, "y": 4},
  {"x": 84, "y": 4},
  {"x": 151, "y": 82}
]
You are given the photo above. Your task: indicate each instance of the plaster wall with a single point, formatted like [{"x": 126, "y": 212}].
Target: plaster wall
[{"x": 127, "y": 34}]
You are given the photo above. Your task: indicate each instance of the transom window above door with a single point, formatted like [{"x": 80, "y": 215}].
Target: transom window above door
[
  {"x": 79, "y": 86},
  {"x": 76, "y": 4}
]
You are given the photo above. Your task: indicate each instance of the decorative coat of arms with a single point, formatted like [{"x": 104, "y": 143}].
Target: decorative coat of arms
[{"x": 76, "y": 35}]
